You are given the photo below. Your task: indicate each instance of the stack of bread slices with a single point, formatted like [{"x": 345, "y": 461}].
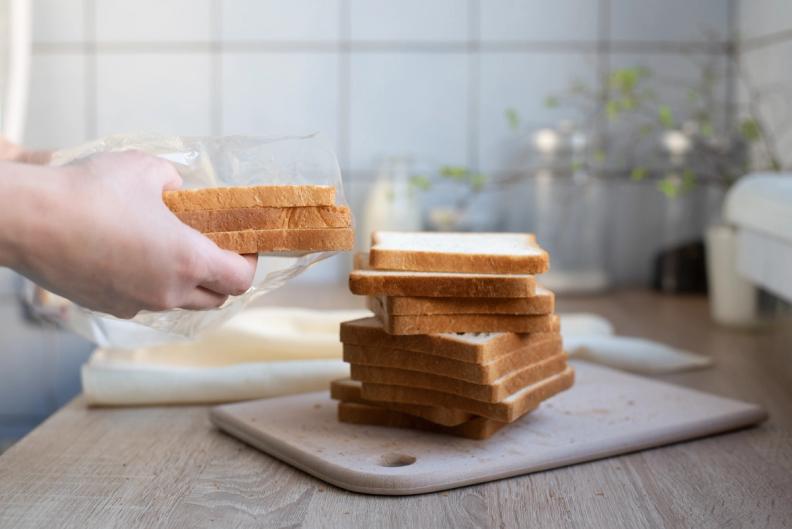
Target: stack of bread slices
[
  {"x": 264, "y": 219},
  {"x": 463, "y": 340}
]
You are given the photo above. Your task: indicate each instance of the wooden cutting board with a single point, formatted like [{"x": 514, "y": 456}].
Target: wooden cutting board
[{"x": 606, "y": 413}]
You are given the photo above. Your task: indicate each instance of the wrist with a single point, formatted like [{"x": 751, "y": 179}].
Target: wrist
[{"x": 28, "y": 214}]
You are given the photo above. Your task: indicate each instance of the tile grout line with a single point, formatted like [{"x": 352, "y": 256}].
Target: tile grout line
[
  {"x": 603, "y": 66},
  {"x": 91, "y": 121},
  {"x": 344, "y": 86},
  {"x": 649, "y": 47},
  {"x": 474, "y": 71},
  {"x": 731, "y": 73},
  {"x": 763, "y": 41},
  {"x": 216, "y": 70}
]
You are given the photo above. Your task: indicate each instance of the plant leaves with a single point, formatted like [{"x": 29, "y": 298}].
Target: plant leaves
[
  {"x": 457, "y": 173},
  {"x": 599, "y": 155},
  {"x": 646, "y": 129},
  {"x": 749, "y": 129},
  {"x": 665, "y": 116},
  {"x": 669, "y": 186},
  {"x": 638, "y": 173},
  {"x": 551, "y": 102},
  {"x": 513, "y": 118},
  {"x": 477, "y": 181},
  {"x": 612, "y": 109},
  {"x": 420, "y": 182},
  {"x": 705, "y": 129}
]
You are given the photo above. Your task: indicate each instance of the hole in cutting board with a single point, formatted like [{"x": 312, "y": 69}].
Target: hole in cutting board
[{"x": 396, "y": 460}]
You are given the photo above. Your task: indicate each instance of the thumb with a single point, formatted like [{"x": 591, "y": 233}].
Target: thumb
[
  {"x": 167, "y": 174},
  {"x": 226, "y": 272}
]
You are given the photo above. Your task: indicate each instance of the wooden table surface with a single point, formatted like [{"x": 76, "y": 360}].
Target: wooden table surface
[{"x": 167, "y": 467}]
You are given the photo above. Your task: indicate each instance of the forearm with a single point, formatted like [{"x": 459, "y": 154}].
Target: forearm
[{"x": 27, "y": 196}]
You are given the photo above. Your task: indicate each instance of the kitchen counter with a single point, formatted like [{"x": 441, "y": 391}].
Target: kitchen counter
[{"x": 167, "y": 467}]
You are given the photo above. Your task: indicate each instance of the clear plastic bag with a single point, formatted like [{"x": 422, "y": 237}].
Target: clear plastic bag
[{"x": 205, "y": 162}]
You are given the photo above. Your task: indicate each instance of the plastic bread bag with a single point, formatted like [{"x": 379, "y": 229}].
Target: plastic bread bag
[{"x": 203, "y": 162}]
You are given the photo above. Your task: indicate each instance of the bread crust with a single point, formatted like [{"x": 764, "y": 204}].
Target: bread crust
[
  {"x": 297, "y": 240},
  {"x": 495, "y": 391},
  {"x": 366, "y": 281},
  {"x": 485, "y": 373},
  {"x": 444, "y": 323},
  {"x": 267, "y": 218},
  {"x": 477, "y": 428},
  {"x": 209, "y": 198},
  {"x": 541, "y": 303},
  {"x": 349, "y": 391},
  {"x": 508, "y": 410},
  {"x": 441, "y": 285},
  {"x": 370, "y": 333}
]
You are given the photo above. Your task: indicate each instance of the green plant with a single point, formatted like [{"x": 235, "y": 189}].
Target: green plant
[
  {"x": 712, "y": 143},
  {"x": 473, "y": 182}
]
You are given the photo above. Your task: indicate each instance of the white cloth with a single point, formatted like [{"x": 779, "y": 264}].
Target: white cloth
[
  {"x": 260, "y": 353},
  {"x": 590, "y": 337},
  {"x": 269, "y": 352}
]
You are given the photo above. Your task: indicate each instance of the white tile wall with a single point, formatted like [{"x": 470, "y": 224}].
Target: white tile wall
[
  {"x": 275, "y": 20},
  {"x": 539, "y": 20},
  {"x": 58, "y": 21},
  {"x": 759, "y": 18},
  {"x": 57, "y": 118},
  {"x": 668, "y": 20},
  {"x": 408, "y": 20},
  {"x": 278, "y": 93},
  {"x": 411, "y": 104},
  {"x": 153, "y": 20},
  {"x": 522, "y": 82},
  {"x": 167, "y": 93}
]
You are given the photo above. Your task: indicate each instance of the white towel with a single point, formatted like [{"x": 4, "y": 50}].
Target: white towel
[
  {"x": 260, "y": 353},
  {"x": 275, "y": 351}
]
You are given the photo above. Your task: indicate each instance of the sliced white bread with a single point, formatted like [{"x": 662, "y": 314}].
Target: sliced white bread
[{"x": 483, "y": 253}]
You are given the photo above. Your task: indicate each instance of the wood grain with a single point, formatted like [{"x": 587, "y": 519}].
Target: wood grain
[{"x": 166, "y": 467}]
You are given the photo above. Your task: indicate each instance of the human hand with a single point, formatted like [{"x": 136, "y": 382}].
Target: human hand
[
  {"x": 11, "y": 152},
  {"x": 102, "y": 237}
]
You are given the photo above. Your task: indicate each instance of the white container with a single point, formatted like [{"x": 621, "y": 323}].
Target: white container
[{"x": 733, "y": 299}]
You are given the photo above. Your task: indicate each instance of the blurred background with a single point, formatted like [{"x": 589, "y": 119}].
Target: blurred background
[{"x": 611, "y": 128}]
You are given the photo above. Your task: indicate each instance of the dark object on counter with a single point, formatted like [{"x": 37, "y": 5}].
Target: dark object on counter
[{"x": 681, "y": 269}]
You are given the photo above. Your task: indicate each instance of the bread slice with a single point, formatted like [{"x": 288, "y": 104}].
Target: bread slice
[
  {"x": 439, "y": 323},
  {"x": 508, "y": 410},
  {"x": 348, "y": 390},
  {"x": 495, "y": 391},
  {"x": 282, "y": 196},
  {"x": 365, "y": 281},
  {"x": 299, "y": 240},
  {"x": 484, "y": 253},
  {"x": 464, "y": 347},
  {"x": 267, "y": 218},
  {"x": 440, "y": 284},
  {"x": 485, "y": 373},
  {"x": 478, "y": 428},
  {"x": 541, "y": 303}
]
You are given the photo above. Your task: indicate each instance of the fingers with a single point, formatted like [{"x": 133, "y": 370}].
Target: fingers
[
  {"x": 230, "y": 273},
  {"x": 202, "y": 299},
  {"x": 220, "y": 271},
  {"x": 171, "y": 179}
]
